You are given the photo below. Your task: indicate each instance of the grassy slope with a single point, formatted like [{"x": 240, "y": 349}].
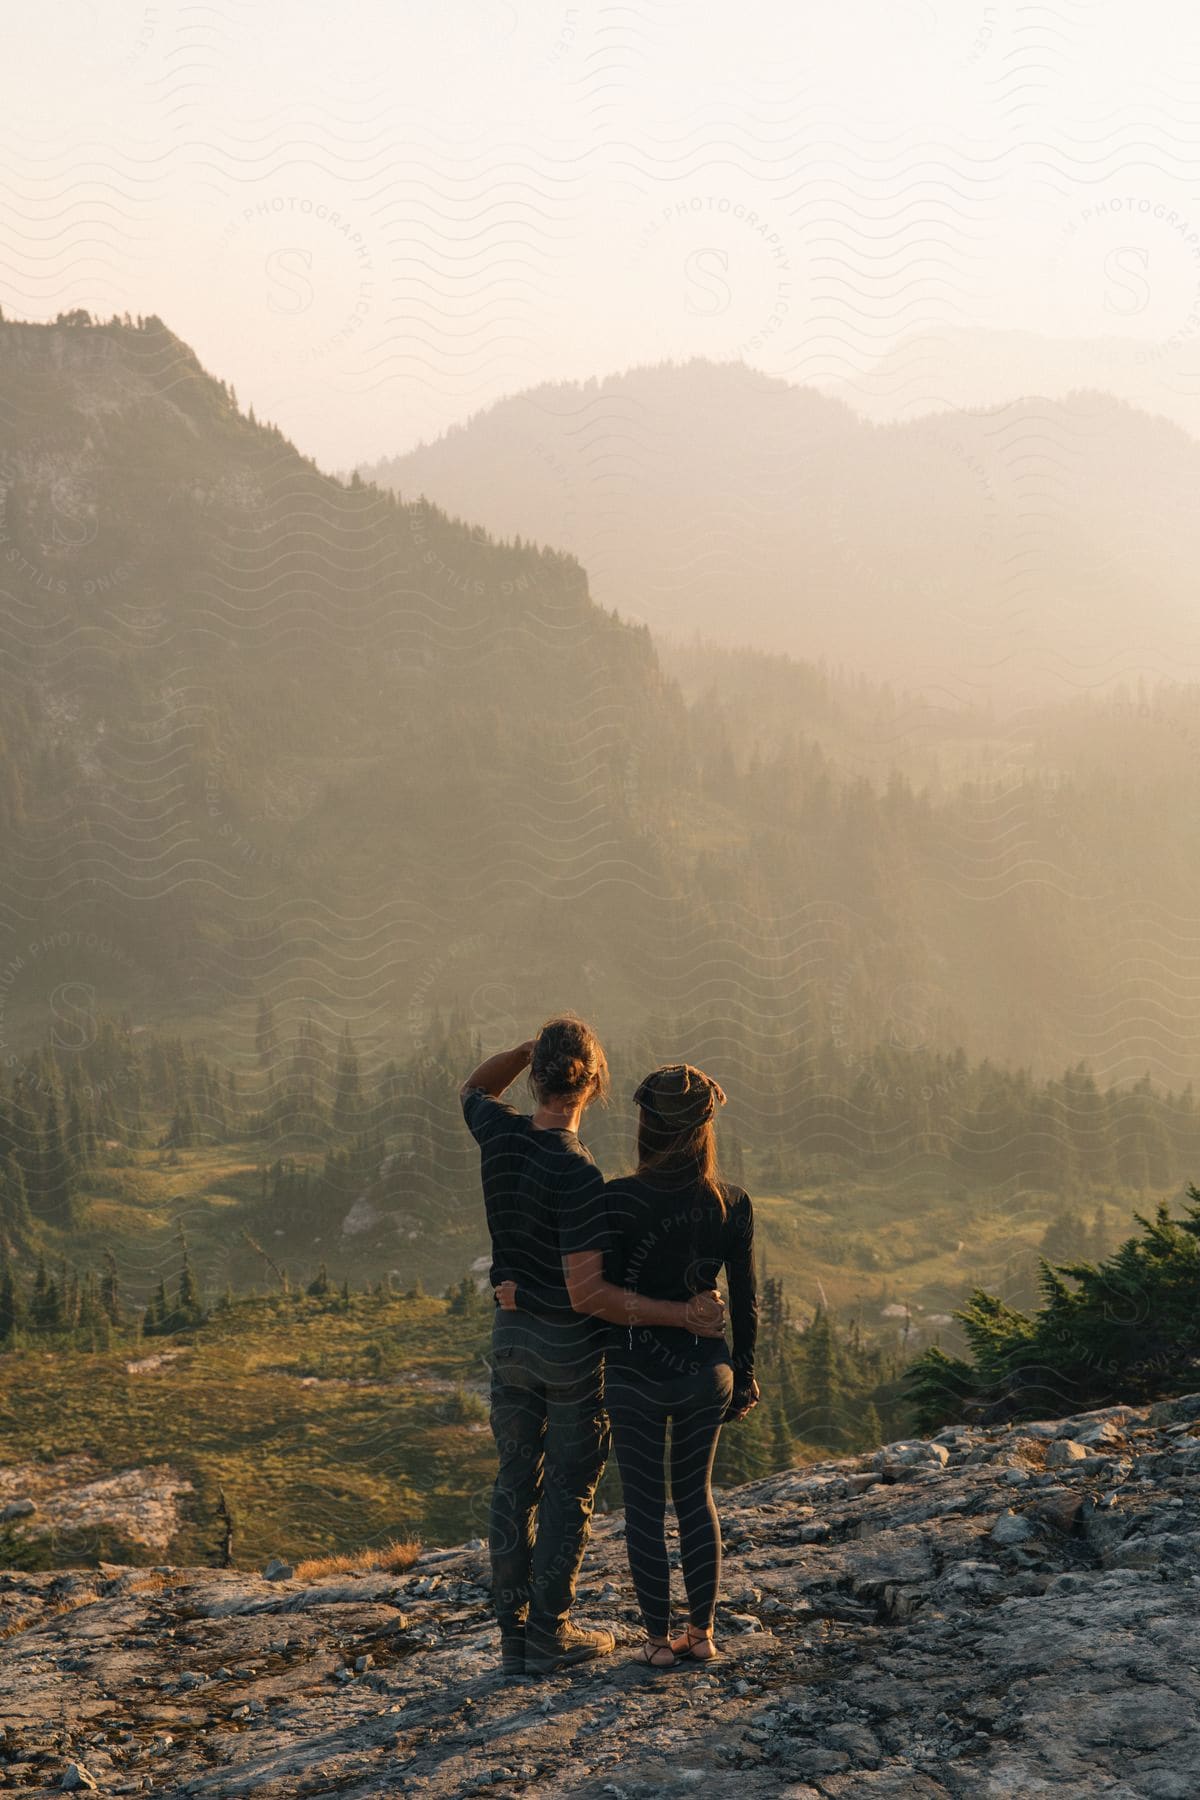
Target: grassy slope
[
  {"x": 374, "y": 1448},
  {"x": 858, "y": 1244}
]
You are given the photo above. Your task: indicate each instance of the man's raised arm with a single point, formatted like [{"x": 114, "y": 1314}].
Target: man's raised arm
[{"x": 500, "y": 1071}]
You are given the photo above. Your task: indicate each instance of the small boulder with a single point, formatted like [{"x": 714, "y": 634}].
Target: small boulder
[
  {"x": 278, "y": 1571},
  {"x": 75, "y": 1777},
  {"x": 1059, "y": 1506},
  {"x": 1064, "y": 1451},
  {"x": 17, "y": 1509},
  {"x": 1180, "y": 1411},
  {"x": 1011, "y": 1528},
  {"x": 907, "y": 1455}
]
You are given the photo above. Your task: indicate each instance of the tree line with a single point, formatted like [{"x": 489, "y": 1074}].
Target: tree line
[{"x": 803, "y": 1115}]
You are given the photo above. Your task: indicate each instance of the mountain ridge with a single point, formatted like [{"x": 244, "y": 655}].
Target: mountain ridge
[{"x": 976, "y": 552}]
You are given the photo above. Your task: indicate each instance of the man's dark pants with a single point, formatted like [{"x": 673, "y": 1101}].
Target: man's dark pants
[{"x": 552, "y": 1438}]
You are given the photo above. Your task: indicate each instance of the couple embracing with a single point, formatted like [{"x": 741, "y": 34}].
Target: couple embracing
[{"x": 607, "y": 1309}]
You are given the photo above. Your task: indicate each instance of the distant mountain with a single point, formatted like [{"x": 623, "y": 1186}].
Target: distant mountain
[
  {"x": 1035, "y": 549},
  {"x": 969, "y": 368},
  {"x": 266, "y": 733}
]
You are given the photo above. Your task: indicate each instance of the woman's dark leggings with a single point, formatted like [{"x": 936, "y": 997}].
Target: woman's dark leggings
[{"x": 639, "y": 1409}]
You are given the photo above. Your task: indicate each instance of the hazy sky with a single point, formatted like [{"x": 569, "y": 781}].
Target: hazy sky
[{"x": 375, "y": 218}]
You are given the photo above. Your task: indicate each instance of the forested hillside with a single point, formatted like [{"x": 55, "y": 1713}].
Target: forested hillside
[{"x": 269, "y": 735}]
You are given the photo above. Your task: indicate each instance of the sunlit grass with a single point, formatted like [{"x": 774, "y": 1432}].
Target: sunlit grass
[
  {"x": 331, "y": 1430},
  {"x": 389, "y": 1559}
]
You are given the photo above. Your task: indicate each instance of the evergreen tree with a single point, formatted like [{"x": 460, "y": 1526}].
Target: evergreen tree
[
  {"x": 188, "y": 1307},
  {"x": 824, "y": 1399},
  {"x": 183, "y": 1130},
  {"x": 57, "y": 1199},
  {"x": 266, "y": 1040},
  {"x": 157, "y": 1311},
  {"x": 347, "y": 1088},
  {"x": 12, "y": 1310},
  {"x": 16, "y": 1219},
  {"x": 110, "y": 1295},
  {"x": 744, "y": 1450},
  {"x": 45, "y": 1308},
  {"x": 870, "y": 1430},
  {"x": 1127, "y": 1329},
  {"x": 783, "y": 1449}
]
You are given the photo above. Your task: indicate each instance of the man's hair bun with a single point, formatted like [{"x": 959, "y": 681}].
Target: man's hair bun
[{"x": 567, "y": 1060}]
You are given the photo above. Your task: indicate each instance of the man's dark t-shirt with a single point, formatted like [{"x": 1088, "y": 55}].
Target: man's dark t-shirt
[
  {"x": 668, "y": 1240},
  {"x": 544, "y": 1198}
]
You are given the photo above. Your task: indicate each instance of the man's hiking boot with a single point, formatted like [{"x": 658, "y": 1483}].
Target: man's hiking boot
[
  {"x": 512, "y": 1655},
  {"x": 564, "y": 1647}
]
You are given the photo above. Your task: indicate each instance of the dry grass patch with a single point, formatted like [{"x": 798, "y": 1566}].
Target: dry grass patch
[
  {"x": 149, "y": 1583},
  {"x": 388, "y": 1559},
  {"x": 52, "y": 1610}
]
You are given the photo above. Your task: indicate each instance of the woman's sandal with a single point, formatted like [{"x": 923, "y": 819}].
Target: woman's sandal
[
  {"x": 651, "y": 1649},
  {"x": 686, "y": 1647}
]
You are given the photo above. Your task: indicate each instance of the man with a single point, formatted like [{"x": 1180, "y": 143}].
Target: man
[{"x": 544, "y": 1198}]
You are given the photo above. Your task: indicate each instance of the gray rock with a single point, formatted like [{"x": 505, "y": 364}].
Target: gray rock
[
  {"x": 909, "y": 1454},
  {"x": 75, "y": 1776},
  {"x": 919, "y": 1648},
  {"x": 1011, "y": 1528},
  {"x": 278, "y": 1571},
  {"x": 1064, "y": 1451},
  {"x": 1181, "y": 1410},
  {"x": 17, "y": 1509}
]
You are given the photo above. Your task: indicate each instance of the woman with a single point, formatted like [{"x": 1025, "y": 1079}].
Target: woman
[
  {"x": 672, "y": 1226},
  {"x": 544, "y": 1198}
]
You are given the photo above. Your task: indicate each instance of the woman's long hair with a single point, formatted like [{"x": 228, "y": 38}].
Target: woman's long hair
[
  {"x": 676, "y": 1136},
  {"x": 568, "y": 1061}
]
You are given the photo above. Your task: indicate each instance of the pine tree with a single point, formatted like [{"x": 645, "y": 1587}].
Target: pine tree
[
  {"x": 45, "y": 1311},
  {"x": 783, "y": 1449},
  {"x": 188, "y": 1307},
  {"x": 58, "y": 1202},
  {"x": 870, "y": 1429},
  {"x": 463, "y": 1297},
  {"x": 16, "y": 1219},
  {"x": 12, "y": 1310},
  {"x": 110, "y": 1295},
  {"x": 157, "y": 1311},
  {"x": 76, "y": 1140},
  {"x": 1127, "y": 1329},
  {"x": 824, "y": 1416},
  {"x": 266, "y": 1038},
  {"x": 347, "y": 1088},
  {"x": 183, "y": 1130},
  {"x": 744, "y": 1450}
]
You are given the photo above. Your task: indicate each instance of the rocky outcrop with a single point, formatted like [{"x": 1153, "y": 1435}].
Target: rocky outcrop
[
  {"x": 949, "y": 1619},
  {"x": 75, "y": 1494}
]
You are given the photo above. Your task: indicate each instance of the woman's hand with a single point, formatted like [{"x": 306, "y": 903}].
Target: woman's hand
[
  {"x": 746, "y": 1397},
  {"x": 506, "y": 1296},
  {"x": 706, "y": 1314}
]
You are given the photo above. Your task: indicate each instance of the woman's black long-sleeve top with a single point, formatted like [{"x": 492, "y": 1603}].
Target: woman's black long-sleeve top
[{"x": 669, "y": 1240}]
